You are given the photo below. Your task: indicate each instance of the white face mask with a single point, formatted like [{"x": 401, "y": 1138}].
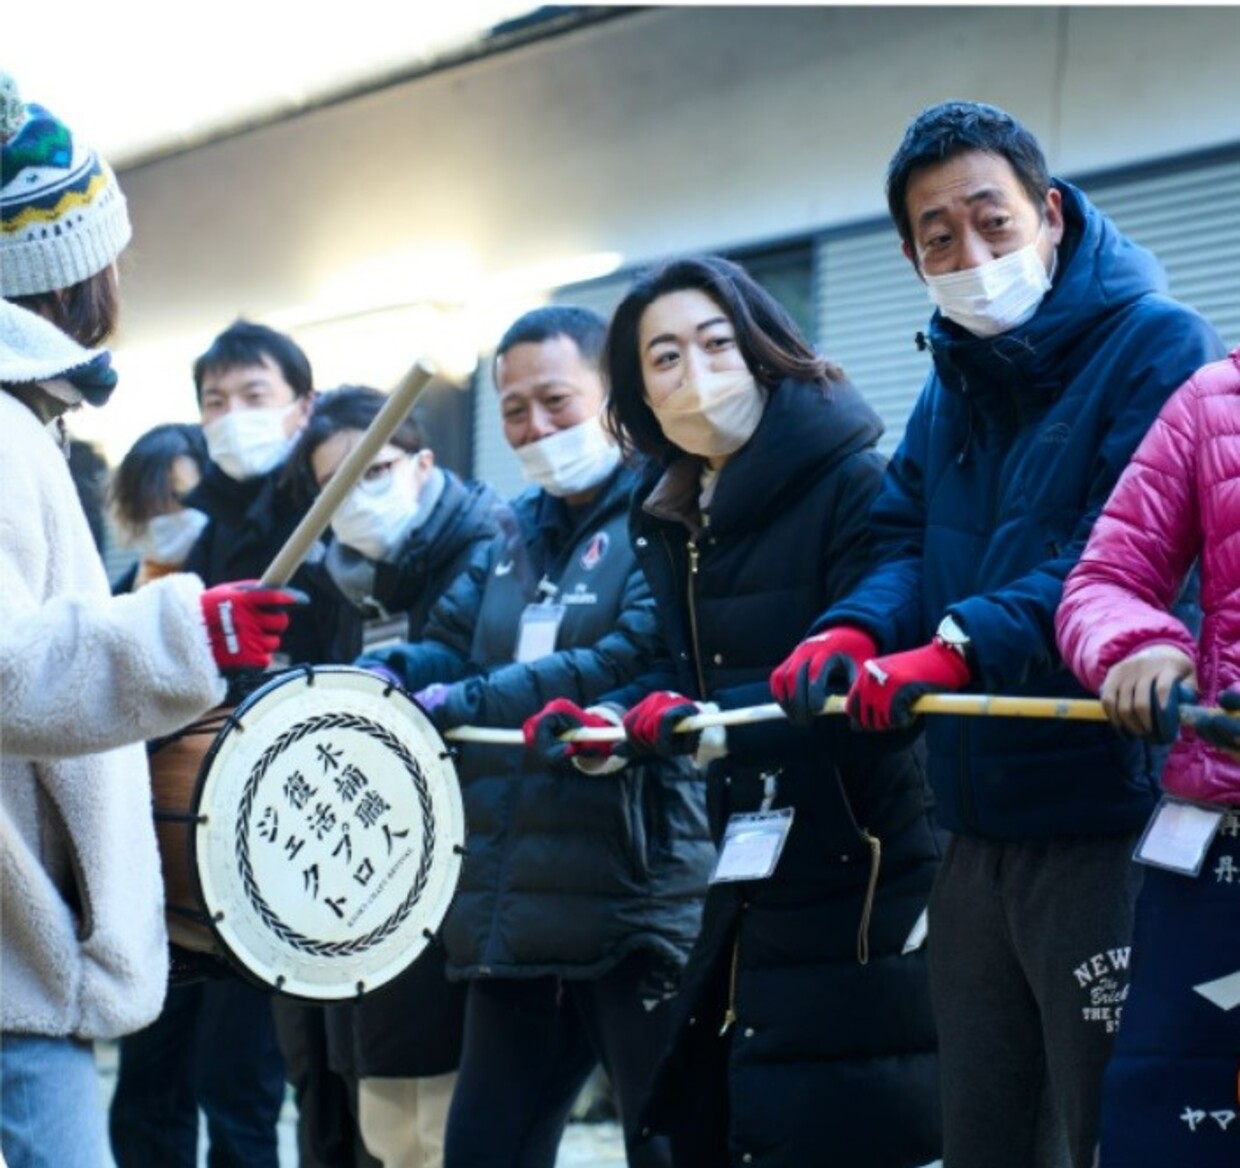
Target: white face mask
[
  {"x": 996, "y": 297},
  {"x": 246, "y": 443},
  {"x": 570, "y": 461},
  {"x": 168, "y": 538},
  {"x": 714, "y": 414},
  {"x": 375, "y": 518}
]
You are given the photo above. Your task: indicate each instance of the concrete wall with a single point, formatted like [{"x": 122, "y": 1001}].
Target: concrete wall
[{"x": 666, "y": 130}]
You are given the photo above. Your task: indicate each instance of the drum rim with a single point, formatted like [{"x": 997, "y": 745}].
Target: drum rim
[{"x": 234, "y": 723}]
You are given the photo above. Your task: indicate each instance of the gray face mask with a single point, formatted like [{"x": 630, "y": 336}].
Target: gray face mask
[{"x": 995, "y": 297}]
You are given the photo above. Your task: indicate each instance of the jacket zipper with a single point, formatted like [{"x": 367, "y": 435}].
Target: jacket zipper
[
  {"x": 516, "y": 788},
  {"x": 729, "y": 1015},
  {"x": 967, "y": 801},
  {"x": 694, "y": 555}
]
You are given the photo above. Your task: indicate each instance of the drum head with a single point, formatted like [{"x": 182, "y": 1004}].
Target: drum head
[{"x": 330, "y": 833}]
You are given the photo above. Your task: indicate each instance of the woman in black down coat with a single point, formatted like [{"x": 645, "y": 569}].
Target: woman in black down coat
[{"x": 804, "y": 1034}]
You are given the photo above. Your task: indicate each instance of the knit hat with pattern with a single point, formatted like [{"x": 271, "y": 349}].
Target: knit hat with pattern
[{"x": 62, "y": 214}]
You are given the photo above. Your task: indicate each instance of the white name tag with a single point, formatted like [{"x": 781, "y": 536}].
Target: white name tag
[
  {"x": 1178, "y": 835},
  {"x": 751, "y": 845},
  {"x": 540, "y": 625}
]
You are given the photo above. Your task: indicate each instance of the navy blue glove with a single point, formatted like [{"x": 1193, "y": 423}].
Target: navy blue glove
[{"x": 1222, "y": 730}]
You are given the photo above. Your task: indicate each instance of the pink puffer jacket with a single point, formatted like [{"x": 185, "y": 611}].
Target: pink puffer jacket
[{"x": 1178, "y": 499}]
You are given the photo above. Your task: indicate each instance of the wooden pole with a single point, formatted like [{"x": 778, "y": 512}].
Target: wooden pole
[{"x": 967, "y": 705}]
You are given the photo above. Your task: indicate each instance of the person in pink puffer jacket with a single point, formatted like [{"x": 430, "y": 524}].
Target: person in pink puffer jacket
[{"x": 1170, "y": 1093}]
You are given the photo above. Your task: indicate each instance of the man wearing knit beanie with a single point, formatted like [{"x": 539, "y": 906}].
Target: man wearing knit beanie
[{"x": 85, "y": 677}]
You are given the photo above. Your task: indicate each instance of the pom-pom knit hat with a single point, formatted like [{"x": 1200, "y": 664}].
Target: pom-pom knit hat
[{"x": 62, "y": 214}]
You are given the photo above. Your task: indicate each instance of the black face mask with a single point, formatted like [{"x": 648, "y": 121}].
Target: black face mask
[{"x": 95, "y": 380}]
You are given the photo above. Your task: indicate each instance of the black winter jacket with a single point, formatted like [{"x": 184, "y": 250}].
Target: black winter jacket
[
  {"x": 831, "y": 1053},
  {"x": 412, "y": 1027},
  {"x": 564, "y": 875}
]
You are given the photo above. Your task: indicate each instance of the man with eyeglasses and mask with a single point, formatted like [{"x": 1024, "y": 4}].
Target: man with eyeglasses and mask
[
  {"x": 1054, "y": 345},
  {"x": 399, "y": 538},
  {"x": 580, "y": 893}
]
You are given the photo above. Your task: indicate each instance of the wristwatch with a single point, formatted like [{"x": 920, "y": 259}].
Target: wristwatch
[{"x": 950, "y": 633}]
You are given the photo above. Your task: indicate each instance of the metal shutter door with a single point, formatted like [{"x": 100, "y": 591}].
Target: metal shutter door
[
  {"x": 870, "y": 308},
  {"x": 1190, "y": 219},
  {"x": 494, "y": 461}
]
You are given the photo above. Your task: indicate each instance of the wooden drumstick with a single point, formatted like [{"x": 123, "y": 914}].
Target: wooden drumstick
[
  {"x": 976, "y": 705},
  {"x": 394, "y": 411}
]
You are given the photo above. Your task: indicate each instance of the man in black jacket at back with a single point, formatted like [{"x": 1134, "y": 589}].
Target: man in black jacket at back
[
  {"x": 255, "y": 395},
  {"x": 215, "y": 1045}
]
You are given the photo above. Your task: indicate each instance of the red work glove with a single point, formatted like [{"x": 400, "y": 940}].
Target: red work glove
[
  {"x": 649, "y": 724},
  {"x": 820, "y": 665},
  {"x": 245, "y": 622},
  {"x": 886, "y": 687},
  {"x": 542, "y": 735}
]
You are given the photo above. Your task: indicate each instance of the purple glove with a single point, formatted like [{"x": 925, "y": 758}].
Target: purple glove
[
  {"x": 432, "y": 697},
  {"x": 393, "y": 678}
]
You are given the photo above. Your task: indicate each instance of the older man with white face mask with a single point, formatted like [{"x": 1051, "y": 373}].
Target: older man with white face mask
[
  {"x": 571, "y": 923},
  {"x": 550, "y": 396}
]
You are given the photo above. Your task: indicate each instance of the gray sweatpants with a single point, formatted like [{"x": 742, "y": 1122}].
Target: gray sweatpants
[{"x": 1028, "y": 951}]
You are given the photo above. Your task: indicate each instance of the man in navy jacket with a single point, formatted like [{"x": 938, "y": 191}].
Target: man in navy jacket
[{"x": 1054, "y": 346}]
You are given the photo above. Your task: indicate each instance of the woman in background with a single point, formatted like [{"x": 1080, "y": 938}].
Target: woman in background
[{"x": 157, "y": 472}]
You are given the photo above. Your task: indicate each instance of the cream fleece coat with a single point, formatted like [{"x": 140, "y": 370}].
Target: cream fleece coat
[{"x": 85, "y": 678}]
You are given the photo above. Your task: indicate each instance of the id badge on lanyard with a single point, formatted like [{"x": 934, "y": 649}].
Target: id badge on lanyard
[
  {"x": 540, "y": 625},
  {"x": 1179, "y": 835},
  {"x": 752, "y": 844}
]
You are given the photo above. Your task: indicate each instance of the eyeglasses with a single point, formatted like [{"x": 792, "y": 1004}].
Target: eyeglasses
[{"x": 377, "y": 475}]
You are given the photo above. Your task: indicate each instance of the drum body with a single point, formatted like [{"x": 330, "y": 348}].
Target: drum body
[{"x": 312, "y": 836}]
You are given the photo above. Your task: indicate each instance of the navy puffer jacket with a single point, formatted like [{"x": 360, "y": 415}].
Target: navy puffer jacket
[
  {"x": 1011, "y": 451},
  {"x": 564, "y": 875}
]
